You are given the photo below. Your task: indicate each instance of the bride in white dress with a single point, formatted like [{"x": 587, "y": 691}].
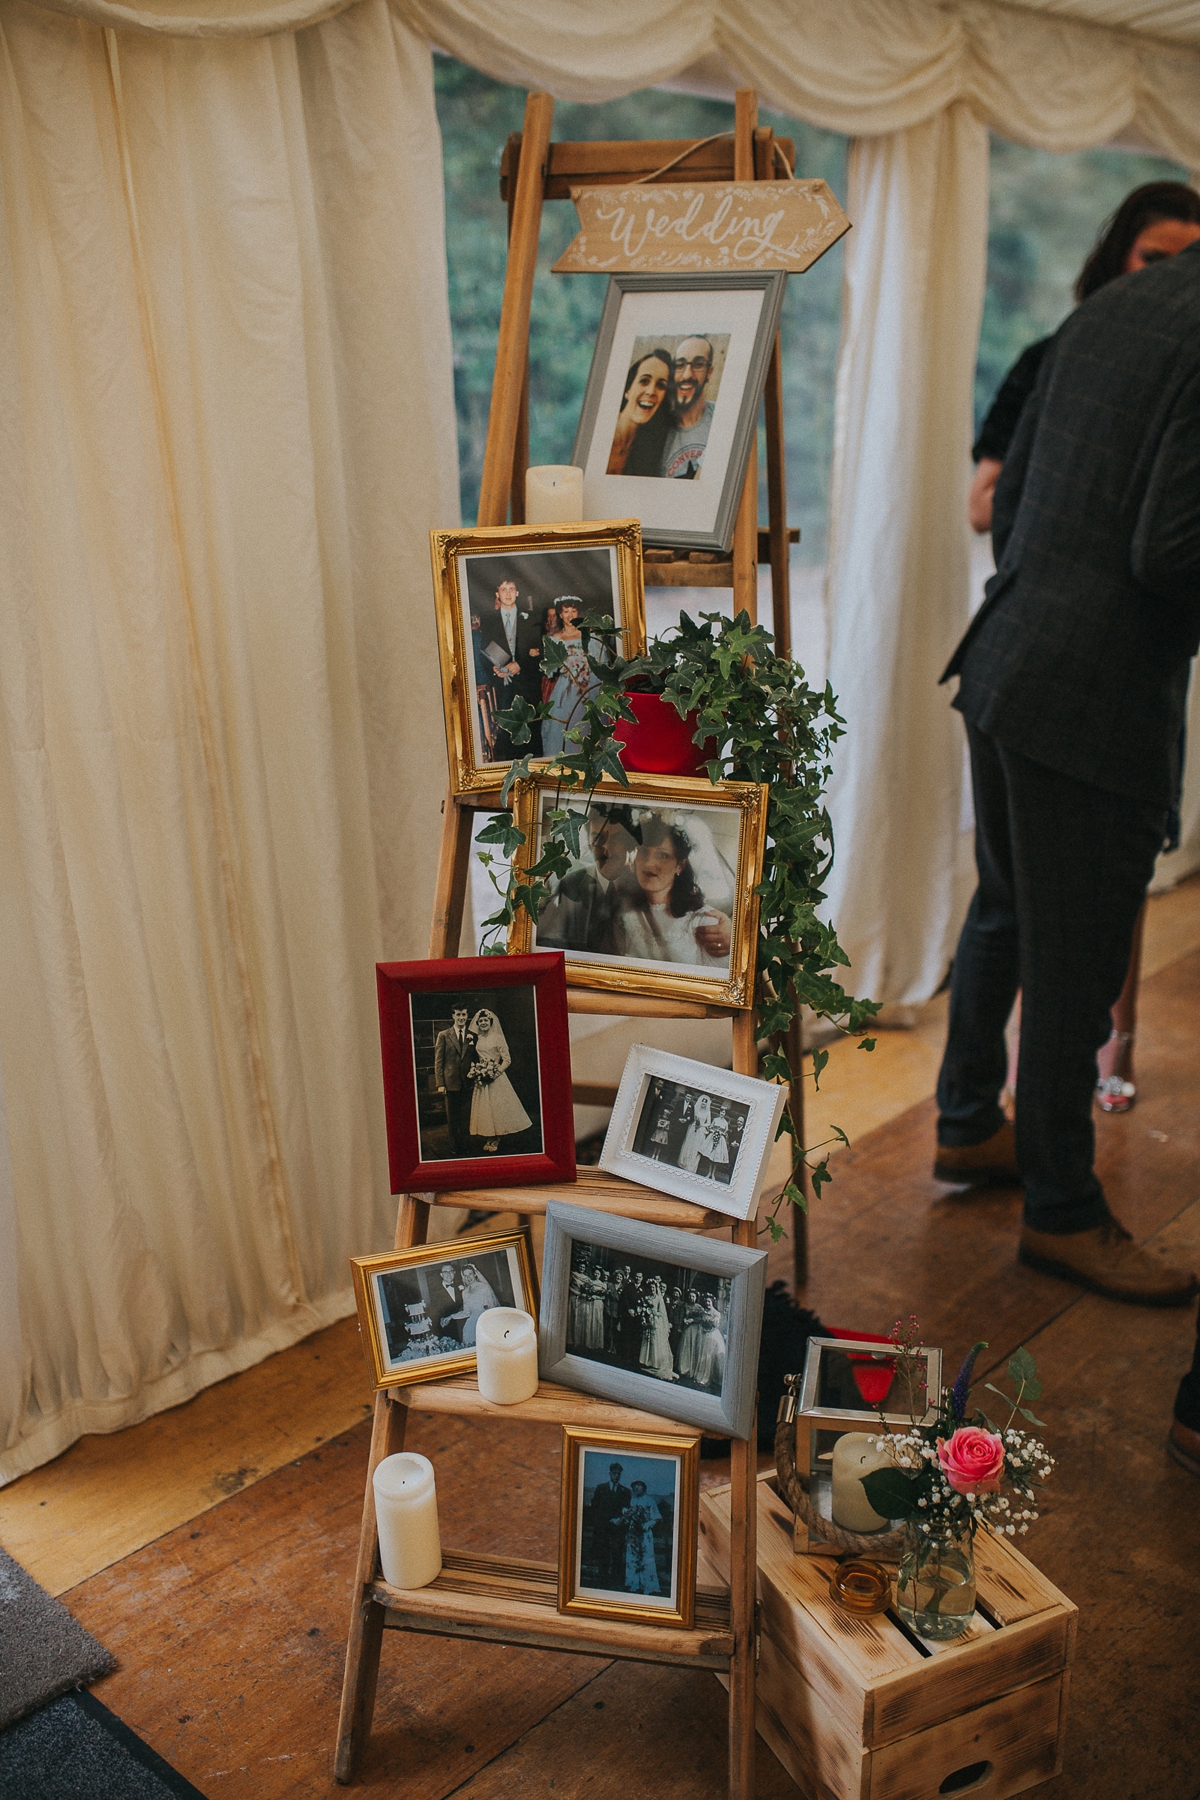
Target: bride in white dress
[
  {"x": 665, "y": 919},
  {"x": 495, "y": 1110}
]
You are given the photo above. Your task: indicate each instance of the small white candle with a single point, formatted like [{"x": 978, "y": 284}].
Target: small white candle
[
  {"x": 410, "y": 1544},
  {"x": 855, "y": 1455},
  {"x": 553, "y": 494},
  {"x": 506, "y": 1358}
]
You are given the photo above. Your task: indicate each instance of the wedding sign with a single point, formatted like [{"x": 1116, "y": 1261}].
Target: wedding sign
[{"x": 701, "y": 225}]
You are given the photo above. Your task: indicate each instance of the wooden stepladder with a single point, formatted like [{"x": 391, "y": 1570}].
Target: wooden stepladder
[{"x": 494, "y": 1598}]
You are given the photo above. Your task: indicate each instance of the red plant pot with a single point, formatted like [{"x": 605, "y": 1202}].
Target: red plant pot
[{"x": 656, "y": 741}]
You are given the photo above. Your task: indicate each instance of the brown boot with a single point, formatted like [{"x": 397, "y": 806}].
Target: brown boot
[
  {"x": 1184, "y": 1445},
  {"x": 990, "y": 1164},
  {"x": 1107, "y": 1261}
]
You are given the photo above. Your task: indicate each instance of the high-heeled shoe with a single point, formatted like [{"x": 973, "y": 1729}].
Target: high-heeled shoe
[{"x": 1114, "y": 1092}]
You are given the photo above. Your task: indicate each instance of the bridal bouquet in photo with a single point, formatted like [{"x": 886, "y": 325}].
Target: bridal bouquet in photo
[
  {"x": 485, "y": 1070},
  {"x": 952, "y": 1475}
]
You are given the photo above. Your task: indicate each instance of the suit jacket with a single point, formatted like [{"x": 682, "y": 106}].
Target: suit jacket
[
  {"x": 1078, "y": 657},
  {"x": 580, "y": 914},
  {"x": 449, "y": 1062},
  {"x": 528, "y": 655},
  {"x": 606, "y": 1506}
]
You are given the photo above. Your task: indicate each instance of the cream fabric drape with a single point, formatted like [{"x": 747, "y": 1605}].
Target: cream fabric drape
[
  {"x": 225, "y": 376},
  {"x": 897, "y": 565}
]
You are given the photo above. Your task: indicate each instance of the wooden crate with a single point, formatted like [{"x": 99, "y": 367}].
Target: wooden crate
[{"x": 860, "y": 1709}]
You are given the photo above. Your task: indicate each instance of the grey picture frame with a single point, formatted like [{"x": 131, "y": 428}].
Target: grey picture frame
[
  {"x": 727, "y": 1414},
  {"x": 719, "y": 535}
]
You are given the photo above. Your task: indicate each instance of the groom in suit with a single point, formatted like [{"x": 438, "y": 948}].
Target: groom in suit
[
  {"x": 608, "y": 1538},
  {"x": 451, "y": 1059},
  {"x": 511, "y": 639},
  {"x": 1073, "y": 677}
]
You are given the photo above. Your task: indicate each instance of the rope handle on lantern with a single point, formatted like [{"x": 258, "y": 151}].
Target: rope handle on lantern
[{"x": 794, "y": 1489}]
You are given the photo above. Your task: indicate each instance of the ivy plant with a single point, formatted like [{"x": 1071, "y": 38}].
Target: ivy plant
[{"x": 763, "y": 723}]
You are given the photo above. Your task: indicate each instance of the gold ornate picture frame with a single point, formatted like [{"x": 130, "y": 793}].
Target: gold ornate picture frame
[
  {"x": 628, "y": 1526},
  {"x": 417, "y": 1309},
  {"x": 618, "y": 925},
  {"x": 489, "y": 655}
]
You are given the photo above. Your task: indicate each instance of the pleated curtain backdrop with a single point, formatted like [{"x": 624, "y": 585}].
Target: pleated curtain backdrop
[{"x": 226, "y": 381}]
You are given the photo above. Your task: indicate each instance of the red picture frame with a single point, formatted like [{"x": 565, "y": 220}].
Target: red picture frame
[{"x": 465, "y": 1108}]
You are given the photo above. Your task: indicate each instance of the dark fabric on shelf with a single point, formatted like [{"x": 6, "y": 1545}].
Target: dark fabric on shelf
[
  {"x": 75, "y": 1749},
  {"x": 1063, "y": 869},
  {"x": 1078, "y": 657},
  {"x": 996, "y": 432},
  {"x": 1187, "y": 1400},
  {"x": 44, "y": 1652}
]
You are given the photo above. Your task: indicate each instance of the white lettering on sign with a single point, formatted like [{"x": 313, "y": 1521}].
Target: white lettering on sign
[{"x": 703, "y": 225}]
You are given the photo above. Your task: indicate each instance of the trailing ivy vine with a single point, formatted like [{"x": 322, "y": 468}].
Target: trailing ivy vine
[{"x": 766, "y": 724}]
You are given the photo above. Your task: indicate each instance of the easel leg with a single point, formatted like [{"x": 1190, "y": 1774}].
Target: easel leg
[
  {"x": 743, "y": 1583},
  {"x": 365, "y": 1636},
  {"x": 450, "y": 895},
  {"x": 798, "y": 1222}
]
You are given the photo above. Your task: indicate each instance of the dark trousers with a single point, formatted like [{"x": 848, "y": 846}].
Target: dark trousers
[
  {"x": 458, "y": 1118},
  {"x": 1187, "y": 1400},
  {"x": 1063, "y": 870}
]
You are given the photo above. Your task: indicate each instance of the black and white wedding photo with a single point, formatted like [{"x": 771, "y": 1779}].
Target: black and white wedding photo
[
  {"x": 419, "y": 1309},
  {"x": 627, "y": 1537},
  {"x": 689, "y": 1129},
  {"x": 476, "y": 1059},
  {"x": 648, "y": 1317}
]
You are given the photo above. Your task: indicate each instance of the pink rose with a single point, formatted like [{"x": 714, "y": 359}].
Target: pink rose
[{"x": 972, "y": 1460}]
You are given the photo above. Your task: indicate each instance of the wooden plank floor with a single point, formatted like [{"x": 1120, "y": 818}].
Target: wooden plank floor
[{"x": 228, "y": 1613}]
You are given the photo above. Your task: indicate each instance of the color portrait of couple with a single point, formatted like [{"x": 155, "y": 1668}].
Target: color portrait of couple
[
  {"x": 651, "y": 886},
  {"x": 667, "y": 407},
  {"x": 530, "y": 600}
]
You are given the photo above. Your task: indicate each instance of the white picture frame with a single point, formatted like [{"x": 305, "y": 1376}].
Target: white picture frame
[{"x": 657, "y": 1132}]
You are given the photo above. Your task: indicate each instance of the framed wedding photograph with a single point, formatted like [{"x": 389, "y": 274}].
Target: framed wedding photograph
[
  {"x": 689, "y": 1129},
  {"x": 628, "y": 1526},
  {"x": 418, "y": 1310},
  {"x": 660, "y": 900},
  {"x": 655, "y": 1318},
  {"x": 476, "y": 1072},
  {"x": 500, "y": 592},
  {"x": 671, "y": 404}
]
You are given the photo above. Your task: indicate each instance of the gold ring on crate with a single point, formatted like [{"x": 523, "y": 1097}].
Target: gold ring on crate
[{"x": 861, "y": 1586}]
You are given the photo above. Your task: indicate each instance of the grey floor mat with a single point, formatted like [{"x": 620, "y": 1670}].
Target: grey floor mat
[
  {"x": 75, "y": 1749},
  {"x": 44, "y": 1652}
]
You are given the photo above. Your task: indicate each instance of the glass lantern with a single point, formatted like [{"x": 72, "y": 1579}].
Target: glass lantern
[{"x": 847, "y": 1383}]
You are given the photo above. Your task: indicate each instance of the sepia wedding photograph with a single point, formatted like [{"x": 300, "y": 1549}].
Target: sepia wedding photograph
[
  {"x": 476, "y": 1071},
  {"x": 669, "y": 411},
  {"x": 629, "y": 1525},
  {"x": 475, "y": 1054},
  {"x": 420, "y": 1309},
  {"x": 660, "y": 898},
  {"x": 651, "y": 1316},
  {"x": 690, "y": 1129},
  {"x": 503, "y": 596}
]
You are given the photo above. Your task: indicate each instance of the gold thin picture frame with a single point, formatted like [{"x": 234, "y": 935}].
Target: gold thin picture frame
[
  {"x": 733, "y": 987},
  {"x": 685, "y": 1449},
  {"x": 385, "y": 1373},
  {"x": 468, "y": 775}
]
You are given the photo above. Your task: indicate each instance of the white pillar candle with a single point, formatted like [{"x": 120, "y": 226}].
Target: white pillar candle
[
  {"x": 855, "y": 1455},
  {"x": 506, "y": 1359},
  {"x": 410, "y": 1544},
  {"x": 553, "y": 494}
]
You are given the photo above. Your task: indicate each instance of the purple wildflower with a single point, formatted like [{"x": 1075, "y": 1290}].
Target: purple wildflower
[{"x": 962, "y": 1383}]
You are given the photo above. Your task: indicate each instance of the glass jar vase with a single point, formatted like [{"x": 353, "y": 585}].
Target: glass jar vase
[{"x": 935, "y": 1589}]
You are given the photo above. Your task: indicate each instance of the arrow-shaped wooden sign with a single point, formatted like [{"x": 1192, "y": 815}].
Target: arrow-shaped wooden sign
[{"x": 724, "y": 225}]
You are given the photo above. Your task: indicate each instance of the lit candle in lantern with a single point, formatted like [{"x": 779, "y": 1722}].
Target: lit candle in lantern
[
  {"x": 410, "y": 1544},
  {"x": 855, "y": 1455},
  {"x": 553, "y": 495},
  {"x": 506, "y": 1355}
]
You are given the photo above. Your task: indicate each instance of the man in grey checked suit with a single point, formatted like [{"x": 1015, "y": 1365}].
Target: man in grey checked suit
[
  {"x": 452, "y": 1055},
  {"x": 1073, "y": 677}
]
